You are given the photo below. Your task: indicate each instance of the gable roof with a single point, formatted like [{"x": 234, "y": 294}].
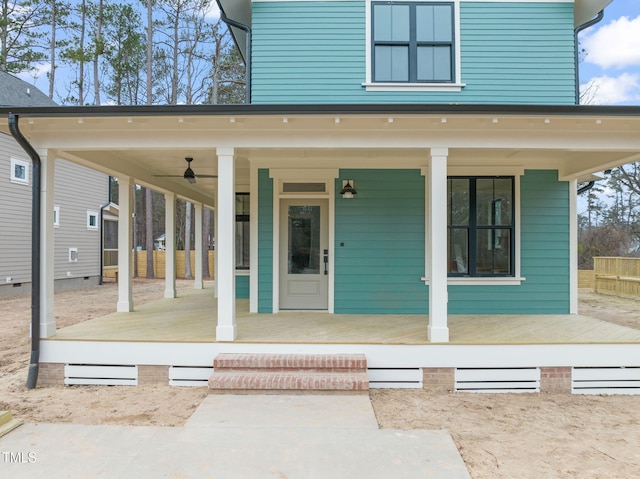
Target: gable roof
[{"x": 16, "y": 92}]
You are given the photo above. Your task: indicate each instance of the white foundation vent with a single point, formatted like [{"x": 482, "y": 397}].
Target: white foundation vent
[
  {"x": 189, "y": 375},
  {"x": 498, "y": 380},
  {"x": 610, "y": 380},
  {"x": 401, "y": 378},
  {"x": 101, "y": 374}
]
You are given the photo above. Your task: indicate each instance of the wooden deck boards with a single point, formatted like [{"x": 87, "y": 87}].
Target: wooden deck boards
[{"x": 192, "y": 318}]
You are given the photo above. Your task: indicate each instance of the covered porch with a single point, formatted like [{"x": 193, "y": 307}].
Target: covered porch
[{"x": 192, "y": 318}]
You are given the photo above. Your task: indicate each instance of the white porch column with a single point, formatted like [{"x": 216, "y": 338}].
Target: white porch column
[
  {"x": 215, "y": 251},
  {"x": 253, "y": 238},
  {"x": 225, "y": 247},
  {"x": 170, "y": 245},
  {"x": 125, "y": 245},
  {"x": 198, "y": 284},
  {"x": 573, "y": 247},
  {"x": 47, "y": 277},
  {"x": 438, "y": 296}
]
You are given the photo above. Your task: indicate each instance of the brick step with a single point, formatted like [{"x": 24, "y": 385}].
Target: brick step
[
  {"x": 284, "y": 362},
  {"x": 281, "y": 381},
  {"x": 8, "y": 423}
]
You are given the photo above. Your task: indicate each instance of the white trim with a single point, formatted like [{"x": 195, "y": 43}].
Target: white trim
[
  {"x": 516, "y": 171},
  {"x": 242, "y": 272},
  {"x": 303, "y": 176},
  {"x": 432, "y": 87},
  {"x": 73, "y": 255},
  {"x": 454, "y": 86},
  {"x": 27, "y": 176},
  {"x": 378, "y": 355},
  {"x": 280, "y": 176},
  {"x": 96, "y": 215},
  {"x": 502, "y": 281}
]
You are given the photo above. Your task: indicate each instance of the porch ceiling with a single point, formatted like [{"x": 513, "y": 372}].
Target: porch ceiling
[{"x": 142, "y": 145}]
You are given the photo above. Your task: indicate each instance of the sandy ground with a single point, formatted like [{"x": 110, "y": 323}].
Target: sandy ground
[{"x": 498, "y": 435}]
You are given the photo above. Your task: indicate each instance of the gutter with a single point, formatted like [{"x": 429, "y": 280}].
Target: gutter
[
  {"x": 586, "y": 187},
  {"x": 576, "y": 31},
  {"x": 32, "y": 377},
  {"x": 247, "y": 59}
]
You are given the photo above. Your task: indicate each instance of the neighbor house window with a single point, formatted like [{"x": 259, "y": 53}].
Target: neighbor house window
[
  {"x": 92, "y": 220},
  {"x": 56, "y": 216},
  {"x": 413, "y": 42},
  {"x": 19, "y": 171},
  {"x": 481, "y": 218},
  {"x": 242, "y": 231}
]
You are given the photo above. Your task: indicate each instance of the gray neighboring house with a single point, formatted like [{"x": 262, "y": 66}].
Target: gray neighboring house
[{"x": 79, "y": 195}]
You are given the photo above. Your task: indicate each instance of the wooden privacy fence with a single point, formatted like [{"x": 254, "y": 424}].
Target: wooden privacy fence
[
  {"x": 617, "y": 276},
  {"x": 159, "y": 258}
]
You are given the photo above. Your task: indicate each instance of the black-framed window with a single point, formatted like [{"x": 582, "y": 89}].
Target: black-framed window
[
  {"x": 242, "y": 231},
  {"x": 481, "y": 226},
  {"x": 413, "y": 42}
]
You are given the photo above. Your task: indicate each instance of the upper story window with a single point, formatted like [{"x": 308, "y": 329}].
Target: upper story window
[
  {"x": 413, "y": 45},
  {"x": 481, "y": 226},
  {"x": 413, "y": 42},
  {"x": 19, "y": 171}
]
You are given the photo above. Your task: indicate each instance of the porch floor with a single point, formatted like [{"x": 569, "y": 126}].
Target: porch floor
[{"x": 192, "y": 318}]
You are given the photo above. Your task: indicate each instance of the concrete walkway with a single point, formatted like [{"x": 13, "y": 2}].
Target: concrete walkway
[{"x": 238, "y": 437}]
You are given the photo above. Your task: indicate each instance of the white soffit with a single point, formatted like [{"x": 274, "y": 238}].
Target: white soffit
[{"x": 585, "y": 10}]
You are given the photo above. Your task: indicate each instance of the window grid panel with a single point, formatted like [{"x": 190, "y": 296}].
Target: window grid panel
[
  {"x": 490, "y": 240},
  {"x": 430, "y": 28}
]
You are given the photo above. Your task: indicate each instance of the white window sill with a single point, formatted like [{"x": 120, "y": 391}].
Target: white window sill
[
  {"x": 481, "y": 281},
  {"x": 435, "y": 87},
  {"x": 19, "y": 181},
  {"x": 242, "y": 272}
]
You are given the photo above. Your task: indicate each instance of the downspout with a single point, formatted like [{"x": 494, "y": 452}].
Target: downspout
[
  {"x": 32, "y": 377},
  {"x": 102, "y": 231},
  {"x": 247, "y": 57},
  {"x": 576, "y": 31}
]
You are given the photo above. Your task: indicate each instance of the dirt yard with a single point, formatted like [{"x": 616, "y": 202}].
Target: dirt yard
[{"x": 498, "y": 435}]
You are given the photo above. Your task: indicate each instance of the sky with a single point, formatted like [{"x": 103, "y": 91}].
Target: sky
[{"x": 611, "y": 68}]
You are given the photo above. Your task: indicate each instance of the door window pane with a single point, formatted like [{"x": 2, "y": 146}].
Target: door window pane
[{"x": 304, "y": 240}]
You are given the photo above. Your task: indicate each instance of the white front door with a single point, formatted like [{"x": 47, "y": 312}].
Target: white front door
[{"x": 304, "y": 254}]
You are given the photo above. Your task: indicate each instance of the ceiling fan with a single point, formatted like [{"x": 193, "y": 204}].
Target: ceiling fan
[{"x": 188, "y": 174}]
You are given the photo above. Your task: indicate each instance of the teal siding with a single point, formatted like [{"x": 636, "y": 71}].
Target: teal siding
[
  {"x": 544, "y": 256},
  {"x": 242, "y": 286},
  {"x": 314, "y": 52},
  {"x": 379, "y": 243},
  {"x": 265, "y": 242}
]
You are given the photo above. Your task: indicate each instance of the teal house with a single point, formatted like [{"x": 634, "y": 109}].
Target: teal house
[{"x": 401, "y": 183}]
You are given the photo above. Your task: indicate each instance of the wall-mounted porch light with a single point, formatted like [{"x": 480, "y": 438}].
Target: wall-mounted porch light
[{"x": 348, "y": 190}]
